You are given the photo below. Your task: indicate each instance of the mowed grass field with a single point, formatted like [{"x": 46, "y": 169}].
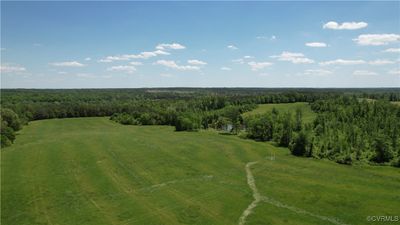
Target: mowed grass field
[
  {"x": 308, "y": 114},
  {"x": 88, "y": 171}
]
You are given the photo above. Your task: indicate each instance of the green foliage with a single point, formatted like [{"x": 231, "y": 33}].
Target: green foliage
[
  {"x": 234, "y": 115},
  {"x": 125, "y": 119},
  {"x": 10, "y": 123},
  {"x": 298, "y": 124},
  {"x": 344, "y": 159},
  {"x": 260, "y": 127},
  {"x": 344, "y": 130},
  {"x": 344, "y": 121},
  {"x": 221, "y": 123},
  {"x": 7, "y": 136},
  {"x": 348, "y": 129},
  {"x": 396, "y": 162},
  {"x": 383, "y": 152},
  {"x": 270, "y": 126},
  {"x": 10, "y": 118},
  {"x": 146, "y": 119},
  {"x": 301, "y": 145},
  {"x": 187, "y": 122},
  {"x": 284, "y": 134}
]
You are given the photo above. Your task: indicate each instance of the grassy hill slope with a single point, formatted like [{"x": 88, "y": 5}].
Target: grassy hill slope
[{"x": 94, "y": 171}]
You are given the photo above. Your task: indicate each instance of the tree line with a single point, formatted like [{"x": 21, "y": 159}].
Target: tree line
[{"x": 347, "y": 128}]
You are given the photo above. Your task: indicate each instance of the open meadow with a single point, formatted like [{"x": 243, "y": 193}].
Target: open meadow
[
  {"x": 307, "y": 114},
  {"x": 95, "y": 171}
]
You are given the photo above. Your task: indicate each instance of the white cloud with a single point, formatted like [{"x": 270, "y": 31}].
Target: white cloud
[
  {"x": 174, "y": 46},
  {"x": 11, "y": 69},
  {"x": 344, "y": 26},
  {"x": 395, "y": 72},
  {"x": 106, "y": 60},
  {"x": 364, "y": 73},
  {"x": 125, "y": 57},
  {"x": 316, "y": 44},
  {"x": 232, "y": 47},
  {"x": 380, "y": 62},
  {"x": 136, "y": 63},
  {"x": 226, "y": 68},
  {"x": 146, "y": 55},
  {"x": 258, "y": 65},
  {"x": 88, "y": 59},
  {"x": 296, "y": 58},
  {"x": 317, "y": 72},
  {"x": 196, "y": 62},
  {"x": 392, "y": 50},
  {"x": 263, "y": 74},
  {"x": 173, "y": 65},
  {"x": 37, "y": 45},
  {"x": 157, "y": 52},
  {"x": 342, "y": 62},
  {"x": 376, "y": 39},
  {"x": 160, "y": 50},
  {"x": 68, "y": 64},
  {"x": 126, "y": 69},
  {"x": 243, "y": 59},
  {"x": 62, "y": 72}
]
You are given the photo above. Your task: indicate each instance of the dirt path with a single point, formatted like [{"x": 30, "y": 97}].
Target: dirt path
[
  {"x": 259, "y": 198},
  {"x": 256, "y": 194},
  {"x": 300, "y": 211}
]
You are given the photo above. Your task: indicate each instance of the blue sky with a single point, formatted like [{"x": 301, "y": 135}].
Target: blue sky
[{"x": 199, "y": 44}]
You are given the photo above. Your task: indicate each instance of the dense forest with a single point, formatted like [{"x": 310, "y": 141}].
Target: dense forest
[
  {"x": 352, "y": 125},
  {"x": 346, "y": 130}
]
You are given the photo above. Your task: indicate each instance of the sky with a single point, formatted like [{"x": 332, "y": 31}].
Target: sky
[{"x": 200, "y": 44}]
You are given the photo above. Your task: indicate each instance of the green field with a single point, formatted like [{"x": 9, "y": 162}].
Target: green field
[
  {"x": 93, "y": 171},
  {"x": 396, "y": 103},
  {"x": 308, "y": 114}
]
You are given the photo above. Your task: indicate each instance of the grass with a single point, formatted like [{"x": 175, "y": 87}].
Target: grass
[
  {"x": 308, "y": 114},
  {"x": 396, "y": 103},
  {"x": 94, "y": 171}
]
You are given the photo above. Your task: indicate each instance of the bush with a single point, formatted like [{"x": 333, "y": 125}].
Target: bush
[
  {"x": 7, "y": 137},
  {"x": 146, "y": 119},
  {"x": 259, "y": 127},
  {"x": 11, "y": 119},
  {"x": 301, "y": 145},
  {"x": 345, "y": 159},
  {"x": 10, "y": 123},
  {"x": 396, "y": 162},
  {"x": 382, "y": 151},
  {"x": 187, "y": 122},
  {"x": 125, "y": 119}
]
